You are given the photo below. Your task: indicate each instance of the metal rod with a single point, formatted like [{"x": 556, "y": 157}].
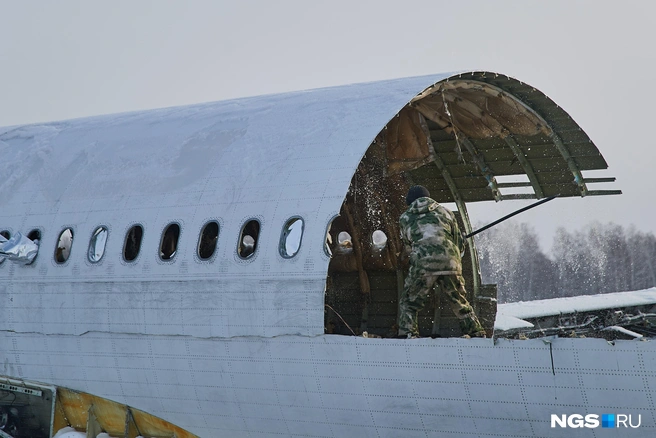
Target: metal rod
[
  {"x": 340, "y": 317},
  {"x": 521, "y": 210}
]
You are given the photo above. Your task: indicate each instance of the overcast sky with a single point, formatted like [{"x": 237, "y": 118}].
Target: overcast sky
[{"x": 67, "y": 59}]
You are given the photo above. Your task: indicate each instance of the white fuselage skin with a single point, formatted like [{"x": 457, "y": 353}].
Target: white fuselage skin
[{"x": 230, "y": 347}]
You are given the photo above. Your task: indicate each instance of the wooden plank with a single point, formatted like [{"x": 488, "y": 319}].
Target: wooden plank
[
  {"x": 384, "y": 307},
  {"x": 486, "y": 307},
  {"x": 459, "y": 170},
  {"x": 591, "y": 163},
  {"x": 547, "y": 164},
  {"x": 604, "y": 192},
  {"x": 381, "y": 324},
  {"x": 513, "y": 184},
  {"x": 557, "y": 177},
  {"x": 599, "y": 180},
  {"x": 576, "y": 150},
  {"x": 382, "y": 279},
  {"x": 570, "y": 133},
  {"x": 566, "y": 190},
  {"x": 470, "y": 182}
]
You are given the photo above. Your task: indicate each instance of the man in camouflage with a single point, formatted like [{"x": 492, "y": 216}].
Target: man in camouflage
[{"x": 432, "y": 234}]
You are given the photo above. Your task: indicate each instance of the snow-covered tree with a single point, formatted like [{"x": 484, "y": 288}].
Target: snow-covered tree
[
  {"x": 642, "y": 252},
  {"x": 600, "y": 258},
  {"x": 511, "y": 257}
]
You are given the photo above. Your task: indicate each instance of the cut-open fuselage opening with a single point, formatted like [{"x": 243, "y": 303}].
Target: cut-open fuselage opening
[
  {"x": 368, "y": 267},
  {"x": 364, "y": 275},
  {"x": 455, "y": 138}
]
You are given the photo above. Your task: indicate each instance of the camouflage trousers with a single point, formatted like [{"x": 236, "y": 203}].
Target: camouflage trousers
[{"x": 417, "y": 287}]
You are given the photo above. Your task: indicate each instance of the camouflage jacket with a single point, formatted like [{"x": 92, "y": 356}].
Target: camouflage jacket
[{"x": 432, "y": 233}]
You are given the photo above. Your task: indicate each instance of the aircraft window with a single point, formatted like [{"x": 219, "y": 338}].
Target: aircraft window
[
  {"x": 344, "y": 243},
  {"x": 329, "y": 239},
  {"x": 169, "y": 244},
  {"x": 132, "y": 243},
  {"x": 34, "y": 236},
  {"x": 248, "y": 239},
  {"x": 97, "y": 244},
  {"x": 6, "y": 235},
  {"x": 64, "y": 244},
  {"x": 379, "y": 239},
  {"x": 290, "y": 240},
  {"x": 209, "y": 237}
]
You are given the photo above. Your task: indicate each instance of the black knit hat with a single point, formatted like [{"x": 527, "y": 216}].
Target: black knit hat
[{"x": 415, "y": 193}]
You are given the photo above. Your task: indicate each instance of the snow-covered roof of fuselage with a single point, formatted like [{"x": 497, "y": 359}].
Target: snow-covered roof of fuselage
[
  {"x": 244, "y": 150},
  {"x": 285, "y": 153},
  {"x": 512, "y": 315}
]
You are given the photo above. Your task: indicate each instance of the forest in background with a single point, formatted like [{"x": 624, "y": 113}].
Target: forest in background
[{"x": 599, "y": 259}]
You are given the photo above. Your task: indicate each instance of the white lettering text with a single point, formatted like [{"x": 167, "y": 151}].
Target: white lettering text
[
  {"x": 575, "y": 421},
  {"x": 591, "y": 421},
  {"x": 621, "y": 419},
  {"x": 560, "y": 420},
  {"x": 639, "y": 421}
]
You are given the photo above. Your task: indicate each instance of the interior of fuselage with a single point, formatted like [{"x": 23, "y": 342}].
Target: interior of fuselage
[
  {"x": 368, "y": 265},
  {"x": 455, "y": 139}
]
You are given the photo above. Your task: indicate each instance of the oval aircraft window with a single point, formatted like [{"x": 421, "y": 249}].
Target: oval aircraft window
[
  {"x": 97, "y": 244},
  {"x": 328, "y": 243},
  {"x": 290, "y": 239},
  {"x": 64, "y": 244},
  {"x": 169, "y": 244},
  {"x": 248, "y": 239},
  {"x": 344, "y": 243},
  {"x": 34, "y": 236},
  {"x": 379, "y": 239},
  {"x": 209, "y": 237},
  {"x": 132, "y": 243}
]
